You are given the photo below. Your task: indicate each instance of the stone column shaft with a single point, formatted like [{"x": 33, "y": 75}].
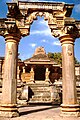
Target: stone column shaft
[
  {"x": 47, "y": 75},
  {"x": 9, "y": 90},
  {"x": 18, "y": 74},
  {"x": 32, "y": 74},
  {"x": 24, "y": 69},
  {"x": 0, "y": 69},
  {"x": 69, "y": 106}
]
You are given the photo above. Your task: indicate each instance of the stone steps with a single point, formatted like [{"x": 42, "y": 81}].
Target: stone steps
[
  {"x": 40, "y": 88},
  {"x": 39, "y": 102},
  {"x": 46, "y": 93},
  {"x": 41, "y": 93},
  {"x": 40, "y": 99},
  {"x": 39, "y": 96}
]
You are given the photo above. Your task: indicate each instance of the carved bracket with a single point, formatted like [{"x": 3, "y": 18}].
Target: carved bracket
[
  {"x": 72, "y": 27},
  {"x": 2, "y": 26},
  {"x": 77, "y": 24},
  {"x": 13, "y": 10}
]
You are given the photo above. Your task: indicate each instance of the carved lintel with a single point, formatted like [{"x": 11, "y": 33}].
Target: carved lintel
[
  {"x": 51, "y": 6},
  {"x": 57, "y": 14}
]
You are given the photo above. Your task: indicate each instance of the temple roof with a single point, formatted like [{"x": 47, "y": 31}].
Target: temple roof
[{"x": 40, "y": 57}]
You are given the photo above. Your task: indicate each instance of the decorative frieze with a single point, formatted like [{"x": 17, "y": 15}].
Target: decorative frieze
[{"x": 41, "y": 5}]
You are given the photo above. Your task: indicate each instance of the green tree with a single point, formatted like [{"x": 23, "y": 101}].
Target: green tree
[{"x": 57, "y": 57}]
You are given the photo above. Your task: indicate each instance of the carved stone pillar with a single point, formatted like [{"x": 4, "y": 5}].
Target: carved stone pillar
[
  {"x": 23, "y": 69},
  {"x": 47, "y": 75},
  {"x": 8, "y": 106},
  {"x": 0, "y": 70},
  {"x": 69, "y": 105},
  {"x": 18, "y": 74},
  {"x": 32, "y": 74}
]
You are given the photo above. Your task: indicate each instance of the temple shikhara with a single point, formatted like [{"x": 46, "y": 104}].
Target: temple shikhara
[{"x": 40, "y": 78}]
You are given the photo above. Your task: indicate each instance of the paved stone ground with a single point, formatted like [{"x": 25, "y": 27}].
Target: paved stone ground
[{"x": 38, "y": 112}]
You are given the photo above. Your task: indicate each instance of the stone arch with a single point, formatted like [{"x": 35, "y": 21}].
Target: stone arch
[{"x": 47, "y": 17}]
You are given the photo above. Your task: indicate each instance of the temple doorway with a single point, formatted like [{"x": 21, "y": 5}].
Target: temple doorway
[{"x": 39, "y": 73}]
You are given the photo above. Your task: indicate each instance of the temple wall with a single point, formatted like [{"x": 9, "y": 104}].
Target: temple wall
[{"x": 25, "y": 77}]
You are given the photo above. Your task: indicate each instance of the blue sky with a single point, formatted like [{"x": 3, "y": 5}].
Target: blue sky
[{"x": 40, "y": 34}]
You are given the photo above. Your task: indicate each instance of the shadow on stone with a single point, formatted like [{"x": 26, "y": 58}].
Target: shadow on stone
[{"x": 37, "y": 109}]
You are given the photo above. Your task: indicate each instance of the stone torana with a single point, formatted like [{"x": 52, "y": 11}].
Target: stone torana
[{"x": 20, "y": 16}]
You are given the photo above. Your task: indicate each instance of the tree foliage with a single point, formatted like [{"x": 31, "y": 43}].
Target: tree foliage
[{"x": 57, "y": 57}]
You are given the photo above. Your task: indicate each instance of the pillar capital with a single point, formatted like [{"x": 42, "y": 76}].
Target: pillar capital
[
  {"x": 68, "y": 27},
  {"x": 12, "y": 38},
  {"x": 9, "y": 30},
  {"x": 66, "y": 39}
]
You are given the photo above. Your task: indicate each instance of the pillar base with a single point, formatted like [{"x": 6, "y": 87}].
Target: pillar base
[
  {"x": 32, "y": 80},
  {"x": 70, "y": 110},
  {"x": 9, "y": 110},
  {"x": 47, "y": 80}
]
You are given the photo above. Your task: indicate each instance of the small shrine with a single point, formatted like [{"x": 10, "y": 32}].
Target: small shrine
[{"x": 40, "y": 68}]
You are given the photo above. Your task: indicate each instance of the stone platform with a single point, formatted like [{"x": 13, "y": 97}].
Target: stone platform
[{"x": 40, "y": 112}]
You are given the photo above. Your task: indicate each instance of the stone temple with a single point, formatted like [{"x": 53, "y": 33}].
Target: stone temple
[
  {"x": 37, "y": 73},
  {"x": 39, "y": 79},
  {"x": 16, "y": 25}
]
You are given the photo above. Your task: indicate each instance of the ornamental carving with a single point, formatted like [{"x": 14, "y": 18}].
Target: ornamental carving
[
  {"x": 8, "y": 27},
  {"x": 13, "y": 10},
  {"x": 11, "y": 26},
  {"x": 22, "y": 14}
]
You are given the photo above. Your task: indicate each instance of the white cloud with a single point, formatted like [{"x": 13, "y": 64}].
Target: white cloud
[
  {"x": 57, "y": 43},
  {"x": 33, "y": 45},
  {"x": 46, "y": 32},
  {"x": 77, "y": 8},
  {"x": 44, "y": 41}
]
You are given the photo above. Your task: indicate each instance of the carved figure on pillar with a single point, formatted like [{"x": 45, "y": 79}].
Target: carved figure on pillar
[
  {"x": 47, "y": 75},
  {"x": 32, "y": 74}
]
